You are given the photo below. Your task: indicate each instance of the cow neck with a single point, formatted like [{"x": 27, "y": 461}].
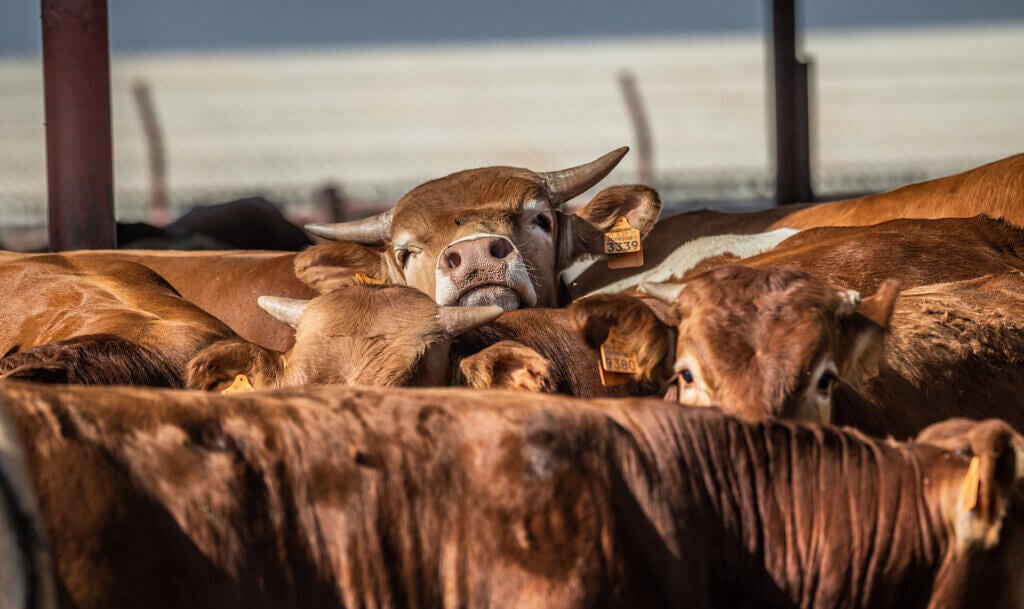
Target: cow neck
[{"x": 798, "y": 513}]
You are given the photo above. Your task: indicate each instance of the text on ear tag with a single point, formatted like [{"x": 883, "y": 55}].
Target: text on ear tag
[
  {"x": 618, "y": 360},
  {"x": 241, "y": 385},
  {"x": 363, "y": 279},
  {"x": 623, "y": 246}
]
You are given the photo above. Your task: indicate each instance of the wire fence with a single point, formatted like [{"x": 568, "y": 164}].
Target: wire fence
[{"x": 889, "y": 108}]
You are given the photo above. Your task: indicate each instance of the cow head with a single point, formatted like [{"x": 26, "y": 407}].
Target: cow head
[
  {"x": 496, "y": 235},
  {"x": 762, "y": 342},
  {"x": 371, "y": 335},
  {"x": 981, "y": 507}
]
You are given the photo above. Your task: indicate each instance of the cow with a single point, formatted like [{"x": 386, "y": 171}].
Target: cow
[
  {"x": 354, "y": 497},
  {"x": 26, "y": 570},
  {"x": 496, "y": 235},
  {"x": 953, "y": 350},
  {"x": 70, "y": 321},
  {"x": 386, "y": 335},
  {"x": 769, "y": 342},
  {"x": 995, "y": 189}
]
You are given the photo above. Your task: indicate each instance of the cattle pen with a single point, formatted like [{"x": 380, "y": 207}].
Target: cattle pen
[{"x": 479, "y": 305}]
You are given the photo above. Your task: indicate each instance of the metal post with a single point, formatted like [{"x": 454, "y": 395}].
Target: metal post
[
  {"x": 790, "y": 107},
  {"x": 79, "y": 166}
]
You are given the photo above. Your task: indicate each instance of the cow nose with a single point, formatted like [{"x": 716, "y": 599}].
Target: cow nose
[
  {"x": 450, "y": 260},
  {"x": 500, "y": 248},
  {"x": 475, "y": 252}
]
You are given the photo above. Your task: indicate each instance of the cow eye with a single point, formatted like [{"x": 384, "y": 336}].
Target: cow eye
[
  {"x": 826, "y": 381},
  {"x": 687, "y": 375},
  {"x": 402, "y": 256},
  {"x": 544, "y": 222}
]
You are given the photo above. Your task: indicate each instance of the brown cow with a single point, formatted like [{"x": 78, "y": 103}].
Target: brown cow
[
  {"x": 768, "y": 342},
  {"x": 953, "y": 349},
  {"x": 497, "y": 235},
  {"x": 396, "y": 336},
  {"x": 913, "y": 252},
  {"x": 995, "y": 189},
  {"x": 340, "y": 497},
  {"x": 72, "y": 321}
]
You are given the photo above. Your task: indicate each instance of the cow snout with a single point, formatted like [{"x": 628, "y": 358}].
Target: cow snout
[{"x": 484, "y": 270}]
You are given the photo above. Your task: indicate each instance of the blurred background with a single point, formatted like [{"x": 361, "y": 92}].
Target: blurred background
[{"x": 336, "y": 109}]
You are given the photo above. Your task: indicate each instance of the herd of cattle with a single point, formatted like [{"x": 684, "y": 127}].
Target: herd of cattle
[{"x": 821, "y": 407}]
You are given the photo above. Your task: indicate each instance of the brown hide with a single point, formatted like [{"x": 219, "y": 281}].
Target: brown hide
[
  {"x": 74, "y": 320},
  {"x": 914, "y": 252},
  {"x": 426, "y": 498},
  {"x": 954, "y": 350},
  {"x": 224, "y": 284},
  {"x": 995, "y": 189}
]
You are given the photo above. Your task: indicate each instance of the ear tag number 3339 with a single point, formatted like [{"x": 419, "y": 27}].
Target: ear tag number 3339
[{"x": 622, "y": 245}]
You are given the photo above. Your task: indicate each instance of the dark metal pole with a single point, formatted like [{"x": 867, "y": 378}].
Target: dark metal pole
[
  {"x": 790, "y": 107},
  {"x": 79, "y": 166}
]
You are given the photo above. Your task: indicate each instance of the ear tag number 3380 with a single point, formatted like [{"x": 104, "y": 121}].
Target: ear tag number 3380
[
  {"x": 622, "y": 245},
  {"x": 618, "y": 361}
]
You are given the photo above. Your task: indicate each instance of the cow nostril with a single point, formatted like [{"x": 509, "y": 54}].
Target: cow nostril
[
  {"x": 453, "y": 260},
  {"x": 500, "y": 248}
]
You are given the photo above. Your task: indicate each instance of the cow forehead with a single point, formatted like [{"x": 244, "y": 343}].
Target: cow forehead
[{"x": 430, "y": 211}]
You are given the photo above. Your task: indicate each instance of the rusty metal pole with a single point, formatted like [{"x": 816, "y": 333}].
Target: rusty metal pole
[
  {"x": 79, "y": 163},
  {"x": 790, "y": 107}
]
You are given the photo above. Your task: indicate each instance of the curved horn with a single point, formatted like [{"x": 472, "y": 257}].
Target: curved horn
[
  {"x": 372, "y": 230},
  {"x": 567, "y": 183},
  {"x": 287, "y": 310},
  {"x": 458, "y": 320},
  {"x": 665, "y": 292}
]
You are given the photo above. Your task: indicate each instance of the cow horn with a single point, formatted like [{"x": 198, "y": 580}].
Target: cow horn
[
  {"x": 372, "y": 230},
  {"x": 287, "y": 310},
  {"x": 457, "y": 320},
  {"x": 567, "y": 183},
  {"x": 666, "y": 292}
]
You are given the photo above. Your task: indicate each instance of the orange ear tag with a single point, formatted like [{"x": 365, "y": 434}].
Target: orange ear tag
[
  {"x": 618, "y": 361},
  {"x": 363, "y": 279},
  {"x": 623, "y": 246},
  {"x": 241, "y": 385},
  {"x": 969, "y": 489}
]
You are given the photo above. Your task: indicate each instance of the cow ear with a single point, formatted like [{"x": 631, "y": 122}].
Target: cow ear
[
  {"x": 215, "y": 367},
  {"x": 981, "y": 496},
  {"x": 864, "y": 324},
  {"x": 639, "y": 204},
  {"x": 644, "y": 334},
  {"x": 508, "y": 365},
  {"x": 329, "y": 266}
]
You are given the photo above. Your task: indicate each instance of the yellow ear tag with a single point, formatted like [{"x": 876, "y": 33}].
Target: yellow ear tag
[
  {"x": 623, "y": 246},
  {"x": 241, "y": 385},
  {"x": 618, "y": 361},
  {"x": 969, "y": 490},
  {"x": 363, "y": 279}
]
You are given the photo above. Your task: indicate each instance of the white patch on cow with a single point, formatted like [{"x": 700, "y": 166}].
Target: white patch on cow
[
  {"x": 574, "y": 270},
  {"x": 689, "y": 254}
]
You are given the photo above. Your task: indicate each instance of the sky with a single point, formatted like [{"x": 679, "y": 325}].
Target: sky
[{"x": 194, "y": 25}]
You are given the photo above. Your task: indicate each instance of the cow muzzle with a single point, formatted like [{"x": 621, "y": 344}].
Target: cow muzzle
[{"x": 481, "y": 270}]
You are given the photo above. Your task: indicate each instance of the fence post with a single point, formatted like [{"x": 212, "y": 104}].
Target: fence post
[
  {"x": 789, "y": 103},
  {"x": 79, "y": 163}
]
